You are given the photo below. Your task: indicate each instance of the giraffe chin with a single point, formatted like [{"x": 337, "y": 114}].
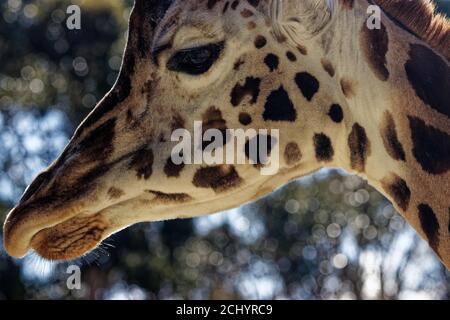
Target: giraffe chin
[{"x": 70, "y": 239}]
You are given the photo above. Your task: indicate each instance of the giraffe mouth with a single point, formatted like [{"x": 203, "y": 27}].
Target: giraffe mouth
[
  {"x": 70, "y": 239},
  {"x": 53, "y": 234}
]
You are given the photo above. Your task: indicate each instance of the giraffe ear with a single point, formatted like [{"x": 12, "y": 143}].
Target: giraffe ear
[{"x": 295, "y": 19}]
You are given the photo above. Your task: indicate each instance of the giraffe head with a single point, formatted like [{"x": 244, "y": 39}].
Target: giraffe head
[
  {"x": 229, "y": 64},
  {"x": 338, "y": 93}
]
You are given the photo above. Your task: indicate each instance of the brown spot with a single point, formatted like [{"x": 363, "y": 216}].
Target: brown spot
[
  {"x": 323, "y": 147},
  {"x": 98, "y": 144},
  {"x": 253, "y": 3},
  {"x": 431, "y": 146},
  {"x": 212, "y": 119},
  {"x": 429, "y": 224},
  {"x": 429, "y": 75},
  {"x": 171, "y": 169},
  {"x": 260, "y": 42},
  {"x": 281, "y": 38},
  {"x": 237, "y": 65},
  {"x": 148, "y": 89},
  {"x": 302, "y": 49},
  {"x": 359, "y": 146},
  {"x": 279, "y": 106},
  {"x": 115, "y": 193},
  {"x": 251, "y": 25},
  {"x": 246, "y": 13},
  {"x": 177, "y": 122},
  {"x": 347, "y": 4},
  {"x": 168, "y": 198},
  {"x": 142, "y": 162},
  {"x": 308, "y": 84},
  {"x": 220, "y": 178},
  {"x": 244, "y": 118},
  {"x": 328, "y": 67},
  {"x": 272, "y": 61},
  {"x": 292, "y": 153},
  {"x": 258, "y": 148},
  {"x": 390, "y": 138},
  {"x": 225, "y": 7},
  {"x": 374, "y": 44},
  {"x": 291, "y": 56},
  {"x": 397, "y": 188},
  {"x": 132, "y": 121},
  {"x": 250, "y": 88},
  {"x": 129, "y": 115},
  {"x": 326, "y": 40},
  {"x": 335, "y": 113},
  {"x": 348, "y": 88},
  {"x": 212, "y": 3},
  {"x": 82, "y": 185}
]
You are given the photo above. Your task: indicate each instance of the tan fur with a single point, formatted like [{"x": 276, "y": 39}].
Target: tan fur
[
  {"x": 116, "y": 171},
  {"x": 420, "y": 17}
]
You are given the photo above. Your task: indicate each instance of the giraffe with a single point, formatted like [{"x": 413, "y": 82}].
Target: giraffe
[{"x": 374, "y": 102}]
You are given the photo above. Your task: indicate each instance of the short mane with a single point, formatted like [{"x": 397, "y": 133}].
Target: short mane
[{"x": 420, "y": 18}]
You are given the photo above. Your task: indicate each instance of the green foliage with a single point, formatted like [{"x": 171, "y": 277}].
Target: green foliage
[{"x": 51, "y": 65}]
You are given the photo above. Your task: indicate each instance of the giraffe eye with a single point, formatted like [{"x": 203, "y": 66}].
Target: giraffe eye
[{"x": 195, "y": 61}]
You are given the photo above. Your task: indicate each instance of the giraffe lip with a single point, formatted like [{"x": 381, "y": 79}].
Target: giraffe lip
[
  {"x": 70, "y": 239},
  {"x": 27, "y": 220},
  {"x": 24, "y": 221}
]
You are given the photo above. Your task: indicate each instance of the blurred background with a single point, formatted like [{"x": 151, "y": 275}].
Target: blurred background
[{"x": 326, "y": 236}]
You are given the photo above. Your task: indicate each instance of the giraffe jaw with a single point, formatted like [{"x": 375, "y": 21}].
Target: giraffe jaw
[{"x": 61, "y": 235}]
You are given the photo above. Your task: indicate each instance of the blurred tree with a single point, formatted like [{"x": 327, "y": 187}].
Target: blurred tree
[{"x": 326, "y": 236}]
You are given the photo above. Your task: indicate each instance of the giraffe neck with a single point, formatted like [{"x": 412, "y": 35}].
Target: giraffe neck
[{"x": 397, "y": 131}]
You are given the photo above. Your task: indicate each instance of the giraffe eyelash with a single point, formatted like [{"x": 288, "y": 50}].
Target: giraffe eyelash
[{"x": 196, "y": 60}]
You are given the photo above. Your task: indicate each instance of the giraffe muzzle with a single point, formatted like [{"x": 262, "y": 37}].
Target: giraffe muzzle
[
  {"x": 25, "y": 221},
  {"x": 55, "y": 235},
  {"x": 58, "y": 221}
]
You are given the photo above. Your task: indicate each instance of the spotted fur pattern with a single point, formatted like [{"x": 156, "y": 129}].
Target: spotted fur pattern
[{"x": 368, "y": 101}]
